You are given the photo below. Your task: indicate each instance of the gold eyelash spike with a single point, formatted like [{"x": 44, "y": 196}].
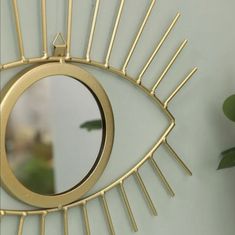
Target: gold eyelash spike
[
  {"x": 158, "y": 47},
  {"x": 136, "y": 40},
  {"x": 179, "y": 87},
  {"x": 42, "y": 223},
  {"x": 182, "y": 46},
  {"x": 161, "y": 175},
  {"x": 21, "y": 223},
  {"x": 128, "y": 207},
  {"x": 86, "y": 219},
  {"x": 69, "y": 27},
  {"x": 145, "y": 192},
  {"x": 66, "y": 226},
  {"x": 114, "y": 33},
  {"x": 91, "y": 37},
  {"x": 177, "y": 158},
  {"x": 44, "y": 29},
  {"x": 107, "y": 214},
  {"x": 18, "y": 30}
]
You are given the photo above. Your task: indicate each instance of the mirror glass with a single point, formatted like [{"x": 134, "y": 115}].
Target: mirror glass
[{"x": 55, "y": 124}]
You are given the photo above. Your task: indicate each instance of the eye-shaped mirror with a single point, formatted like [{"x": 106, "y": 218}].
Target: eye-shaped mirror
[
  {"x": 113, "y": 43},
  {"x": 56, "y": 116}
]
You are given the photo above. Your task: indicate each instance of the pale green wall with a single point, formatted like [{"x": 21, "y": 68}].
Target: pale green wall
[{"x": 205, "y": 203}]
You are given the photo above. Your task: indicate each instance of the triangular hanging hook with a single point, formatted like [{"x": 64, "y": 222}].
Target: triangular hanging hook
[{"x": 59, "y": 45}]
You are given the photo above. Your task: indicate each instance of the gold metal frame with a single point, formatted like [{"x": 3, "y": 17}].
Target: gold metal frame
[
  {"x": 13, "y": 91},
  {"x": 137, "y": 82}
]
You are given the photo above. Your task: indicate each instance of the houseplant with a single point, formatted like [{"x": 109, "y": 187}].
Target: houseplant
[{"x": 228, "y": 156}]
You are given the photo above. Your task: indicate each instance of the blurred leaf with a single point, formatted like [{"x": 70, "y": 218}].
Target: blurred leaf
[
  {"x": 92, "y": 125},
  {"x": 228, "y": 159},
  {"x": 37, "y": 176},
  {"x": 229, "y": 107}
]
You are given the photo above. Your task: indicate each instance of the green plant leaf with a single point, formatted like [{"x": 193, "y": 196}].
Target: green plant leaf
[
  {"x": 92, "y": 125},
  {"x": 229, "y": 107},
  {"x": 228, "y": 159},
  {"x": 37, "y": 176}
]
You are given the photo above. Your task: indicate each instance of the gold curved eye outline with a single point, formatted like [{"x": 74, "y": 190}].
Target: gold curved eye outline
[
  {"x": 135, "y": 81},
  {"x": 119, "y": 182}
]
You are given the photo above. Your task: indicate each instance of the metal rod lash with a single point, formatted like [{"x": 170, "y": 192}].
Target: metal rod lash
[
  {"x": 128, "y": 208},
  {"x": 107, "y": 214},
  {"x": 93, "y": 26},
  {"x": 86, "y": 219},
  {"x": 177, "y": 158},
  {"x": 69, "y": 27},
  {"x": 66, "y": 226},
  {"x": 158, "y": 47},
  {"x": 179, "y": 87},
  {"x": 146, "y": 194},
  {"x": 172, "y": 61},
  {"x": 114, "y": 33},
  {"x": 42, "y": 223},
  {"x": 161, "y": 175},
  {"x": 44, "y": 28},
  {"x": 136, "y": 40},
  {"x": 18, "y": 30},
  {"x": 21, "y": 224}
]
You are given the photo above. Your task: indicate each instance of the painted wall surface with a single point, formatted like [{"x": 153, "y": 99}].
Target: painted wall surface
[{"x": 204, "y": 203}]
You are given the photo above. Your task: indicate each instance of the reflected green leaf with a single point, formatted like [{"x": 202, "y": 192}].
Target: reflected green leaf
[
  {"x": 229, "y": 107},
  {"x": 37, "y": 172},
  {"x": 37, "y": 176},
  {"x": 228, "y": 159},
  {"x": 92, "y": 125}
]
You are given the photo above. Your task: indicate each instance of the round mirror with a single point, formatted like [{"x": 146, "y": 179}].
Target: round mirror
[
  {"x": 55, "y": 118},
  {"x": 55, "y": 124}
]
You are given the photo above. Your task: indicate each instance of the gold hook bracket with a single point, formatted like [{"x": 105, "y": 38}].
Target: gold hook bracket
[{"x": 60, "y": 46}]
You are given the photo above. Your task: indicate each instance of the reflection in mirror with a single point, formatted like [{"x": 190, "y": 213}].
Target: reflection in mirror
[{"x": 55, "y": 124}]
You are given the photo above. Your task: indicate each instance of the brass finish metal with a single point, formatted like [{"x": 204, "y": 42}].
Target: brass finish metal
[
  {"x": 44, "y": 29},
  {"x": 161, "y": 175},
  {"x": 86, "y": 219},
  {"x": 65, "y": 216},
  {"x": 114, "y": 33},
  {"x": 91, "y": 37},
  {"x": 179, "y": 87},
  {"x": 177, "y": 158},
  {"x": 169, "y": 66},
  {"x": 62, "y": 55},
  {"x": 42, "y": 223},
  {"x": 158, "y": 47},
  {"x": 2, "y": 213},
  {"x": 18, "y": 30},
  {"x": 136, "y": 40},
  {"x": 21, "y": 223},
  {"x": 128, "y": 208},
  {"x": 10, "y": 95},
  {"x": 60, "y": 49},
  {"x": 107, "y": 214},
  {"x": 69, "y": 27},
  {"x": 146, "y": 194},
  {"x": 148, "y": 155}
]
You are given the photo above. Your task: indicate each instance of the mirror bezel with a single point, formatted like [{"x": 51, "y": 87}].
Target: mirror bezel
[{"x": 10, "y": 94}]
